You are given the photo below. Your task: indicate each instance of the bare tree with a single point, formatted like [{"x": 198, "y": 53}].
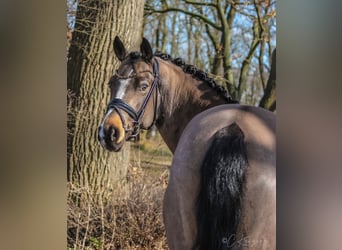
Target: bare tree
[
  {"x": 91, "y": 62},
  {"x": 243, "y": 26}
]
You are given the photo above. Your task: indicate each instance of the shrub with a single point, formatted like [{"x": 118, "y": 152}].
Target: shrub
[{"x": 126, "y": 221}]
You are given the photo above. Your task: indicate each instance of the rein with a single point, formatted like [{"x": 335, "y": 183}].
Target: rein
[{"x": 118, "y": 104}]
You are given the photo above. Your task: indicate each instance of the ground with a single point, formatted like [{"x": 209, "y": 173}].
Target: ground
[{"x": 151, "y": 155}]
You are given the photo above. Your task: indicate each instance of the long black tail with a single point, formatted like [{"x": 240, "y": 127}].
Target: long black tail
[{"x": 220, "y": 197}]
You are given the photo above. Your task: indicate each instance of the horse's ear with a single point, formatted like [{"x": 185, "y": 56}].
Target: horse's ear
[
  {"x": 119, "y": 49},
  {"x": 146, "y": 50}
]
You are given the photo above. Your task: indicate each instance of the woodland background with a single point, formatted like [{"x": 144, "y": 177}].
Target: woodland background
[{"x": 115, "y": 200}]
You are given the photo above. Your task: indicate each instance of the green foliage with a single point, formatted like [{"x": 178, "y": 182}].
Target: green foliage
[{"x": 96, "y": 243}]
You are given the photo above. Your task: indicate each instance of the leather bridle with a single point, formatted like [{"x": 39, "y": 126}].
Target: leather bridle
[{"x": 120, "y": 105}]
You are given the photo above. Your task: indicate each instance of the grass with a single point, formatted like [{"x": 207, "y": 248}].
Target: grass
[
  {"x": 126, "y": 221},
  {"x": 153, "y": 156}
]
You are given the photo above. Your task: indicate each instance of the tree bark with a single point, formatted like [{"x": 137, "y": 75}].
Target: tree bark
[
  {"x": 268, "y": 100},
  {"x": 91, "y": 63}
]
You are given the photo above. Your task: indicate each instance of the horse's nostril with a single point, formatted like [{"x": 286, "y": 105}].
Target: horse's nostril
[{"x": 112, "y": 133}]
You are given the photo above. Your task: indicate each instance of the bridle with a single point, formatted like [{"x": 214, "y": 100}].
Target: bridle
[{"x": 118, "y": 105}]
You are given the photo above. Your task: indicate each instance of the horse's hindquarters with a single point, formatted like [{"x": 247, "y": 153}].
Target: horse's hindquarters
[{"x": 256, "y": 229}]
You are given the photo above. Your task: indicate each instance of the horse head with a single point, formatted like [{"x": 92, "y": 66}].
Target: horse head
[{"x": 133, "y": 96}]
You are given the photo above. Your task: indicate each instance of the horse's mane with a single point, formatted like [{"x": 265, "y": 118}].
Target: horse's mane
[{"x": 198, "y": 74}]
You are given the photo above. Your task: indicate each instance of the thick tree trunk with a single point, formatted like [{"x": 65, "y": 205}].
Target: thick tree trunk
[
  {"x": 91, "y": 62},
  {"x": 268, "y": 101}
]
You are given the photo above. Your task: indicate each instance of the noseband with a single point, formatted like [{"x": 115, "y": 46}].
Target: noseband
[{"x": 118, "y": 104}]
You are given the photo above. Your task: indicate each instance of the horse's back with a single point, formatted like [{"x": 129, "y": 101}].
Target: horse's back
[{"x": 257, "y": 227}]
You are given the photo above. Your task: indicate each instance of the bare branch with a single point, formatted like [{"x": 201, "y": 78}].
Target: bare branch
[
  {"x": 201, "y": 17},
  {"x": 261, "y": 26},
  {"x": 242, "y": 12},
  {"x": 199, "y": 3},
  {"x": 221, "y": 15},
  {"x": 211, "y": 36},
  {"x": 261, "y": 64}
]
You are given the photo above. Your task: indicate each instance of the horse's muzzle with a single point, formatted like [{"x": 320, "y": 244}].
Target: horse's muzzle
[
  {"x": 108, "y": 138},
  {"x": 111, "y": 133}
]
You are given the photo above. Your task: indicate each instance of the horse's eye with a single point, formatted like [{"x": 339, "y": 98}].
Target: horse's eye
[{"x": 143, "y": 86}]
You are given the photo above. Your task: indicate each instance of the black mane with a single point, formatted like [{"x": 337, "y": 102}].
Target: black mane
[{"x": 198, "y": 74}]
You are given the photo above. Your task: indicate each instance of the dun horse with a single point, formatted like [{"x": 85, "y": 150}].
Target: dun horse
[{"x": 221, "y": 192}]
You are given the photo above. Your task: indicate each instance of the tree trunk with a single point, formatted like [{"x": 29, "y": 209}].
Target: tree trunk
[
  {"x": 226, "y": 42},
  {"x": 91, "y": 62},
  {"x": 174, "y": 45},
  {"x": 268, "y": 101},
  {"x": 247, "y": 61}
]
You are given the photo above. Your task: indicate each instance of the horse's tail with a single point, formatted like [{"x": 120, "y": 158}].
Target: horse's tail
[{"x": 220, "y": 197}]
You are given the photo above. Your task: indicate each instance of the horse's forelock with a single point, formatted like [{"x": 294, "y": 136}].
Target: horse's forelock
[{"x": 134, "y": 55}]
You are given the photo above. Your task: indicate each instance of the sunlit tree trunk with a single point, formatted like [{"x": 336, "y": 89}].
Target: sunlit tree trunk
[{"x": 91, "y": 62}]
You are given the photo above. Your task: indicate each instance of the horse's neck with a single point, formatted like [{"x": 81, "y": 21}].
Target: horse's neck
[{"x": 182, "y": 97}]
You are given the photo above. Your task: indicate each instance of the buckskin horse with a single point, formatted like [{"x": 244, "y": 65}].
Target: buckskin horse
[{"x": 222, "y": 188}]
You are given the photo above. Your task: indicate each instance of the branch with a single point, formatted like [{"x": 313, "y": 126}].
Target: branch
[
  {"x": 261, "y": 65},
  {"x": 261, "y": 53},
  {"x": 199, "y": 3},
  {"x": 241, "y": 11},
  {"x": 201, "y": 17},
  {"x": 220, "y": 12},
  {"x": 257, "y": 10},
  {"x": 230, "y": 16},
  {"x": 211, "y": 37}
]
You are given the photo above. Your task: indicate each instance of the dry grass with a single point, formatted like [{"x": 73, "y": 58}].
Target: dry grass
[{"x": 129, "y": 220}]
